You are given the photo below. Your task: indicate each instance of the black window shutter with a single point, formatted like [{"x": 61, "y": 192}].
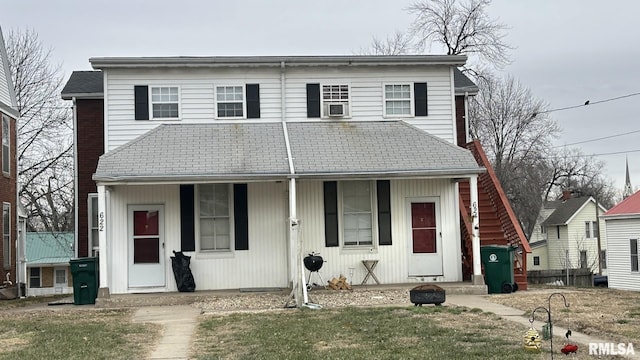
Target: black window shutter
[
  {"x": 420, "y": 98},
  {"x": 187, "y": 233},
  {"x": 241, "y": 216},
  {"x": 313, "y": 101},
  {"x": 141, "y": 95},
  {"x": 384, "y": 212},
  {"x": 331, "y": 213},
  {"x": 253, "y": 101}
]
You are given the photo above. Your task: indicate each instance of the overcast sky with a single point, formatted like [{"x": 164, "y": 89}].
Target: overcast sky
[{"x": 566, "y": 51}]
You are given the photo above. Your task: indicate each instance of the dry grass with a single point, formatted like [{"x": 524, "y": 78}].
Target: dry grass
[{"x": 604, "y": 313}]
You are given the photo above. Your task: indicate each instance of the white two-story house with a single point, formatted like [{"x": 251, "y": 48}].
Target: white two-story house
[{"x": 247, "y": 164}]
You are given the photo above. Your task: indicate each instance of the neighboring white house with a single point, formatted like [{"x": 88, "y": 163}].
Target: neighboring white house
[
  {"x": 47, "y": 261},
  {"x": 247, "y": 163},
  {"x": 623, "y": 238},
  {"x": 567, "y": 235}
]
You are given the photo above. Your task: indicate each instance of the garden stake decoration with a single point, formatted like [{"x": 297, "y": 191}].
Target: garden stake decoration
[
  {"x": 550, "y": 324},
  {"x": 532, "y": 340}
]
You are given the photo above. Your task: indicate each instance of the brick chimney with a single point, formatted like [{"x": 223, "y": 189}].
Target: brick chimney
[{"x": 566, "y": 195}]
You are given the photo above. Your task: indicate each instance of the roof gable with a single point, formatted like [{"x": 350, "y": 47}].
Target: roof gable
[
  {"x": 8, "y": 103},
  {"x": 628, "y": 206},
  {"x": 566, "y": 210}
]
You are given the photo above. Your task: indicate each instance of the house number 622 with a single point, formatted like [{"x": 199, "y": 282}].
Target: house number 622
[{"x": 101, "y": 221}]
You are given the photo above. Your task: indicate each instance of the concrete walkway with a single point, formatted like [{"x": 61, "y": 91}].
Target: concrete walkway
[{"x": 178, "y": 325}]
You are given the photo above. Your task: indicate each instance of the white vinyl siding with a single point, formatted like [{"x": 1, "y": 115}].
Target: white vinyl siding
[
  {"x": 197, "y": 95},
  {"x": 619, "y": 233},
  {"x": 267, "y": 214},
  {"x": 392, "y": 267}
]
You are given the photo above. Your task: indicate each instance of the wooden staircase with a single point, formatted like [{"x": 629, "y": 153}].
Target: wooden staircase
[{"x": 498, "y": 224}]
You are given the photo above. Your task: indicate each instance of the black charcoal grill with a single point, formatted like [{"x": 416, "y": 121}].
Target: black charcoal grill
[{"x": 313, "y": 262}]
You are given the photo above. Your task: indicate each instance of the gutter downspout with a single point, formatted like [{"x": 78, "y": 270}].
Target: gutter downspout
[
  {"x": 298, "y": 286},
  {"x": 75, "y": 178}
]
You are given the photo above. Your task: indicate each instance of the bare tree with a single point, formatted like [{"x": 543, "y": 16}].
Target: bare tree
[
  {"x": 462, "y": 28},
  {"x": 45, "y": 159},
  {"x": 571, "y": 170},
  {"x": 516, "y": 133},
  {"x": 397, "y": 44}
]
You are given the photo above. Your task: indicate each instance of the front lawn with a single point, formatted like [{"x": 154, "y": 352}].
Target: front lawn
[
  {"x": 427, "y": 332},
  {"x": 74, "y": 334}
]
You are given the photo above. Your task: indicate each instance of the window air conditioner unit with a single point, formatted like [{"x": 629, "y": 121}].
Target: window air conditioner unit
[{"x": 336, "y": 109}]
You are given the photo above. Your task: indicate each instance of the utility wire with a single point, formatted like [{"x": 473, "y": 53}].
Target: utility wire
[
  {"x": 587, "y": 103},
  {"x": 597, "y": 139}
]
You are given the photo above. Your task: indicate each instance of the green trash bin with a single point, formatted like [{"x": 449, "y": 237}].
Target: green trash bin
[
  {"x": 498, "y": 268},
  {"x": 85, "y": 273}
]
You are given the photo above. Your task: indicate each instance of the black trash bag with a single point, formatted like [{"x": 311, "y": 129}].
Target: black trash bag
[{"x": 184, "y": 278}]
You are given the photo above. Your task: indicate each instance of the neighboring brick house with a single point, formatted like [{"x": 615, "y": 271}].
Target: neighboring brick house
[
  {"x": 8, "y": 169},
  {"x": 283, "y": 141},
  {"x": 84, "y": 88}
]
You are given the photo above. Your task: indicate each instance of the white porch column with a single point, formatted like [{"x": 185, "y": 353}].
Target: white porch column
[
  {"x": 475, "y": 236},
  {"x": 103, "y": 290},
  {"x": 295, "y": 255}
]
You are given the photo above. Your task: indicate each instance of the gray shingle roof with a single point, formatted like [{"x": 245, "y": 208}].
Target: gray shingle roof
[
  {"x": 374, "y": 147},
  {"x": 83, "y": 83},
  {"x": 184, "y": 152},
  {"x": 565, "y": 210},
  {"x": 463, "y": 83},
  {"x": 199, "y": 151}
]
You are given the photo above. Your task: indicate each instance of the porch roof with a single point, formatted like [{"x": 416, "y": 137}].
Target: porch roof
[{"x": 319, "y": 149}]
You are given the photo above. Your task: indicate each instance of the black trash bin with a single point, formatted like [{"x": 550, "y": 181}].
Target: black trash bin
[
  {"x": 85, "y": 273},
  {"x": 182, "y": 272}
]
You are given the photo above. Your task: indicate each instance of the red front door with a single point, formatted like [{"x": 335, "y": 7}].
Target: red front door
[{"x": 425, "y": 250}]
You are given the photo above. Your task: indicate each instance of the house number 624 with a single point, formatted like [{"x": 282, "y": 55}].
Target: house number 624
[{"x": 101, "y": 221}]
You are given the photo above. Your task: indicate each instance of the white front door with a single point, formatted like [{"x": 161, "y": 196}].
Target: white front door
[
  {"x": 146, "y": 246},
  {"x": 425, "y": 243}
]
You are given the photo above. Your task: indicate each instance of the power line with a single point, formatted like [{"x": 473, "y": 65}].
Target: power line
[
  {"x": 587, "y": 103},
  {"x": 597, "y": 139},
  {"x": 592, "y": 155}
]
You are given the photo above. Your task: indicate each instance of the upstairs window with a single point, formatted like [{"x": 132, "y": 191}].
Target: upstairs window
[
  {"x": 590, "y": 229},
  {"x": 164, "y": 102},
  {"x": 6, "y": 163},
  {"x": 336, "y": 100},
  {"x": 230, "y": 101},
  {"x": 398, "y": 100}
]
